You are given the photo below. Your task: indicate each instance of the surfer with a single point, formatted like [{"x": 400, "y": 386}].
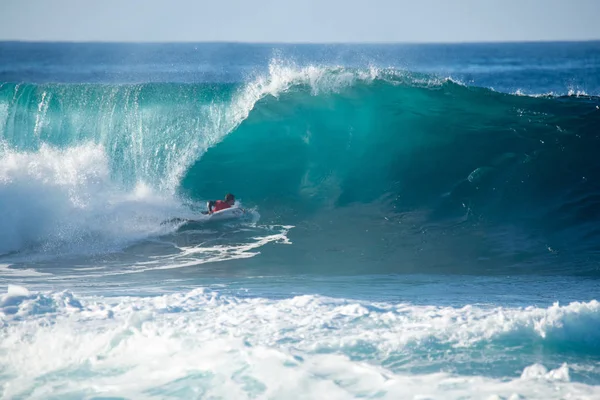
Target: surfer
[{"x": 214, "y": 206}]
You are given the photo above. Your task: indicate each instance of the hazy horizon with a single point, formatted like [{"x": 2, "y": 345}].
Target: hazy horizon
[
  {"x": 298, "y": 42},
  {"x": 310, "y": 21}
]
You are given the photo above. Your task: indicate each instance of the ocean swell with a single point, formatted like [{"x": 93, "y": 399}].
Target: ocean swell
[{"x": 415, "y": 161}]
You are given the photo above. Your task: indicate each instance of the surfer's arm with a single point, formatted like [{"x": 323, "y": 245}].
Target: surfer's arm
[{"x": 210, "y": 205}]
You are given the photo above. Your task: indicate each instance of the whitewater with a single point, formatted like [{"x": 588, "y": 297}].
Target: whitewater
[{"x": 422, "y": 221}]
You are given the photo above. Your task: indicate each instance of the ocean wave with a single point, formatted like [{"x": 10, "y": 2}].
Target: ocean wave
[
  {"x": 460, "y": 159},
  {"x": 201, "y": 336},
  {"x": 364, "y": 148}
]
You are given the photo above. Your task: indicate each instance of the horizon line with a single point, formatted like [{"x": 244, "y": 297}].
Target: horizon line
[{"x": 543, "y": 41}]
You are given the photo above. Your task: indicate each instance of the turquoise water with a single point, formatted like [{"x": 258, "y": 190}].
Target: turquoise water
[{"x": 422, "y": 221}]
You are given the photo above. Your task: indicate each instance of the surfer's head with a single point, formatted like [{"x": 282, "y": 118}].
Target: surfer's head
[{"x": 230, "y": 199}]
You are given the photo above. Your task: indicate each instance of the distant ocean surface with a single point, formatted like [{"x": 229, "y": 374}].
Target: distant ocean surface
[{"x": 423, "y": 221}]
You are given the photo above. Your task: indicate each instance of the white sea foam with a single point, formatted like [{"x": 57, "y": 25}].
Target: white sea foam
[
  {"x": 202, "y": 344},
  {"x": 7, "y": 271},
  {"x": 206, "y": 253},
  {"x": 64, "y": 200},
  {"x": 577, "y": 92},
  {"x": 570, "y": 92}
]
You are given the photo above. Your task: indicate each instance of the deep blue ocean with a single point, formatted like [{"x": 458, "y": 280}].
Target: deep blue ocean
[{"x": 423, "y": 221}]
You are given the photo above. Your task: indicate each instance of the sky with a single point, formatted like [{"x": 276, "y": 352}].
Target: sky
[{"x": 299, "y": 21}]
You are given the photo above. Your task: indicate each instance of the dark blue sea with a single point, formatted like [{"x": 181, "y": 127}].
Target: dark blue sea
[{"x": 417, "y": 221}]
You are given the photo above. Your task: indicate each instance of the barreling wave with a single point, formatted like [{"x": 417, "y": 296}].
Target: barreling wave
[
  {"x": 363, "y": 149},
  {"x": 433, "y": 166}
]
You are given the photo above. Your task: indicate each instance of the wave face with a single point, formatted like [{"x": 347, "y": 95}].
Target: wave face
[
  {"x": 386, "y": 165},
  {"x": 409, "y": 161}
]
